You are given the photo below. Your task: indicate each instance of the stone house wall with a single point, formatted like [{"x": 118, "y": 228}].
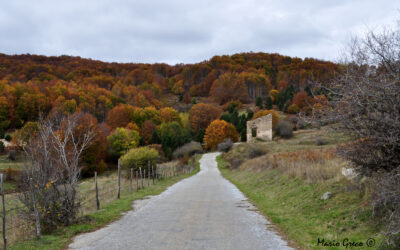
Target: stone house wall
[{"x": 260, "y": 128}]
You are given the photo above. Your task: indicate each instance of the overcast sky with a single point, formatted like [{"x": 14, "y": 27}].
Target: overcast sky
[{"x": 187, "y": 31}]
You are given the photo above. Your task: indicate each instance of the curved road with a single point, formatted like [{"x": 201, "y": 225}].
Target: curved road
[{"x": 204, "y": 211}]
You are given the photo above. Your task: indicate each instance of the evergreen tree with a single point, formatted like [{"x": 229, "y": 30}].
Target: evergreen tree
[
  {"x": 308, "y": 90},
  {"x": 259, "y": 102},
  {"x": 268, "y": 103}
]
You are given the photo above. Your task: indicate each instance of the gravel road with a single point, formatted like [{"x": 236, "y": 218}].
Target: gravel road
[{"x": 204, "y": 211}]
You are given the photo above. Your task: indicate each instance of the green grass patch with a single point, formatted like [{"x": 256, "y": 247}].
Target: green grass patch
[
  {"x": 296, "y": 208},
  {"x": 107, "y": 214},
  {"x": 6, "y": 163}
]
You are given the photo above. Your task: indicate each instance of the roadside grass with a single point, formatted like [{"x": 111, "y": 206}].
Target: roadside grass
[
  {"x": 296, "y": 208},
  {"x": 6, "y": 163},
  {"x": 285, "y": 179},
  {"x": 107, "y": 214}
]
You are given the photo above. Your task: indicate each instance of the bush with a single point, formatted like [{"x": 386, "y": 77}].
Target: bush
[
  {"x": 386, "y": 205},
  {"x": 12, "y": 155},
  {"x": 284, "y": 129},
  {"x": 217, "y": 132},
  {"x": 188, "y": 149},
  {"x": 2, "y": 147},
  {"x": 254, "y": 152},
  {"x": 226, "y": 145},
  {"x": 303, "y": 124},
  {"x": 139, "y": 157},
  {"x": 293, "y": 109},
  {"x": 162, "y": 157},
  {"x": 320, "y": 141},
  {"x": 8, "y": 137},
  {"x": 2, "y": 134},
  {"x": 294, "y": 120}
]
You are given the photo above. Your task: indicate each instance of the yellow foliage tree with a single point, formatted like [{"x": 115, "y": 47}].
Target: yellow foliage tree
[
  {"x": 217, "y": 132},
  {"x": 273, "y": 93},
  {"x": 169, "y": 115}
]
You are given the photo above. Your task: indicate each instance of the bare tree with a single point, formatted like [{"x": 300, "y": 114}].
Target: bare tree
[
  {"x": 52, "y": 169},
  {"x": 364, "y": 101}
]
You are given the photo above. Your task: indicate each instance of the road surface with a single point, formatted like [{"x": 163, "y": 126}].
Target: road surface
[{"x": 204, "y": 211}]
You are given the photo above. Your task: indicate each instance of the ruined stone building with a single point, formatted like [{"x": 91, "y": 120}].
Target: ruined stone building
[{"x": 260, "y": 128}]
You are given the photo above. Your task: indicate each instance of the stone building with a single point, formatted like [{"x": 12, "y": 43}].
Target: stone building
[{"x": 260, "y": 128}]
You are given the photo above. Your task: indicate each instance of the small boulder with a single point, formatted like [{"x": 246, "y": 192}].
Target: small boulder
[
  {"x": 326, "y": 196},
  {"x": 349, "y": 173}
]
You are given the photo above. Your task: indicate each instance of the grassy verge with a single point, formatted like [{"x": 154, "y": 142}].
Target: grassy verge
[
  {"x": 296, "y": 208},
  {"x": 107, "y": 214}
]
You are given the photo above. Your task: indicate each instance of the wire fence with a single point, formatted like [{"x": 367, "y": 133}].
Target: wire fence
[{"x": 94, "y": 193}]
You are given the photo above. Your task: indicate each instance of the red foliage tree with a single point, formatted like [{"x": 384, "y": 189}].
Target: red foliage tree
[{"x": 202, "y": 114}]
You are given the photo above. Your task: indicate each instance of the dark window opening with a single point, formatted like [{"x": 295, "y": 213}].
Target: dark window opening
[{"x": 254, "y": 132}]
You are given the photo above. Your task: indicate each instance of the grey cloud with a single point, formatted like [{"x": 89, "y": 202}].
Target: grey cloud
[{"x": 176, "y": 31}]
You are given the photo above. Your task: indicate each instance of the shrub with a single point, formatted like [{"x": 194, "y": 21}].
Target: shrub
[
  {"x": 12, "y": 155},
  {"x": 320, "y": 141},
  {"x": 254, "y": 152},
  {"x": 226, "y": 145},
  {"x": 284, "y": 129},
  {"x": 217, "y": 132},
  {"x": 2, "y": 147},
  {"x": 386, "y": 205},
  {"x": 293, "y": 109},
  {"x": 294, "y": 120},
  {"x": 2, "y": 134},
  {"x": 139, "y": 157},
  {"x": 301, "y": 124},
  {"x": 188, "y": 149},
  {"x": 8, "y": 137},
  {"x": 162, "y": 157}
]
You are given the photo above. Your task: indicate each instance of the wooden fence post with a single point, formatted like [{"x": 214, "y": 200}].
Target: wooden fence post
[
  {"x": 141, "y": 176},
  {"x": 4, "y": 211},
  {"x": 148, "y": 178},
  {"x": 119, "y": 178},
  {"x": 137, "y": 181},
  {"x": 97, "y": 191},
  {"x": 130, "y": 179},
  {"x": 144, "y": 177},
  {"x": 152, "y": 170}
]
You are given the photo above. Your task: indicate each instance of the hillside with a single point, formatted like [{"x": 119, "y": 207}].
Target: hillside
[{"x": 30, "y": 84}]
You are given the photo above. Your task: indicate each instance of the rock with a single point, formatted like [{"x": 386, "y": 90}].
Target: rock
[
  {"x": 326, "y": 196},
  {"x": 349, "y": 173}
]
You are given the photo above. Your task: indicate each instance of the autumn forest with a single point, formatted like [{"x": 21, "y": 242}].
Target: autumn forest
[{"x": 154, "y": 104}]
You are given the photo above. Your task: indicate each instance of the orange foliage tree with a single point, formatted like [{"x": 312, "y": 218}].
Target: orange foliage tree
[
  {"x": 202, "y": 114},
  {"x": 275, "y": 117},
  {"x": 147, "y": 130},
  {"x": 217, "y": 132},
  {"x": 120, "y": 116},
  {"x": 302, "y": 99},
  {"x": 228, "y": 87},
  {"x": 169, "y": 115}
]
